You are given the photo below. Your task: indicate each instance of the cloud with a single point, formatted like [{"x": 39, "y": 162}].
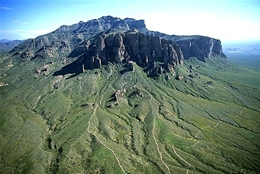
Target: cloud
[
  {"x": 20, "y": 22},
  {"x": 6, "y": 8}
]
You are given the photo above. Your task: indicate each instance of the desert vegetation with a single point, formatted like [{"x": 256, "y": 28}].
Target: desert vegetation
[{"x": 207, "y": 122}]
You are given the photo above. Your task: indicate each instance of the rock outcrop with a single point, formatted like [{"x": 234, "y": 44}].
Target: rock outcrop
[
  {"x": 201, "y": 47},
  {"x": 132, "y": 46},
  {"x": 109, "y": 39},
  {"x": 62, "y": 41}
]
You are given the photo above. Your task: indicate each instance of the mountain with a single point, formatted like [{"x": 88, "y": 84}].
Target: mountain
[
  {"x": 4, "y": 40},
  {"x": 114, "y": 40},
  {"x": 66, "y": 39},
  {"x": 154, "y": 53},
  {"x": 110, "y": 96},
  {"x": 8, "y": 45}
]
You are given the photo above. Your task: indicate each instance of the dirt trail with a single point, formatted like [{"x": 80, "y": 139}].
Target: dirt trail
[
  {"x": 217, "y": 123},
  {"x": 88, "y": 129},
  {"x": 157, "y": 145},
  {"x": 182, "y": 159},
  {"x": 197, "y": 134},
  {"x": 197, "y": 142}
]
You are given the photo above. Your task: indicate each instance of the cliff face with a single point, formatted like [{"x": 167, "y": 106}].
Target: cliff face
[
  {"x": 137, "y": 47},
  {"x": 110, "y": 39},
  {"x": 201, "y": 47},
  {"x": 156, "y": 54},
  {"x": 60, "y": 43}
]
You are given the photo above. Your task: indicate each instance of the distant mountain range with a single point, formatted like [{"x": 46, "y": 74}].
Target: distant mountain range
[
  {"x": 8, "y": 45},
  {"x": 242, "y": 48}
]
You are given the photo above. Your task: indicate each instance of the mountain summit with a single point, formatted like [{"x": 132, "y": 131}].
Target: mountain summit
[{"x": 115, "y": 40}]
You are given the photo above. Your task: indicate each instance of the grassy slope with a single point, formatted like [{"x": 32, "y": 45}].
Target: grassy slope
[{"x": 56, "y": 124}]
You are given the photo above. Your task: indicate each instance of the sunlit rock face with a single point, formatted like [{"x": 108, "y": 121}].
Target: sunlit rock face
[
  {"x": 138, "y": 47},
  {"x": 113, "y": 40},
  {"x": 201, "y": 47}
]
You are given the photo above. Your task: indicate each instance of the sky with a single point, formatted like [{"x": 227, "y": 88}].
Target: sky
[{"x": 227, "y": 20}]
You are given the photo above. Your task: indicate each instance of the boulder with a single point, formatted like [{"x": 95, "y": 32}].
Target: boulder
[
  {"x": 119, "y": 94},
  {"x": 179, "y": 77}
]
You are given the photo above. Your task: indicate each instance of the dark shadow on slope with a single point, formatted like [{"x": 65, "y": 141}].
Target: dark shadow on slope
[
  {"x": 80, "y": 65},
  {"x": 74, "y": 68}
]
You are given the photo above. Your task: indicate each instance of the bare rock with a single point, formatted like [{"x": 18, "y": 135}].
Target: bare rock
[
  {"x": 27, "y": 54},
  {"x": 131, "y": 66},
  {"x": 119, "y": 94},
  {"x": 201, "y": 47},
  {"x": 179, "y": 77},
  {"x": 97, "y": 62},
  {"x": 119, "y": 48},
  {"x": 3, "y": 84}
]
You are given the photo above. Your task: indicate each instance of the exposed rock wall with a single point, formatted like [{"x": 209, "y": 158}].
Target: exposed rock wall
[
  {"x": 132, "y": 46},
  {"x": 201, "y": 47},
  {"x": 109, "y": 39}
]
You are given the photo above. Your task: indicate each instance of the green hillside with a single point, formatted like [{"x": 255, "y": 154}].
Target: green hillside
[{"x": 110, "y": 120}]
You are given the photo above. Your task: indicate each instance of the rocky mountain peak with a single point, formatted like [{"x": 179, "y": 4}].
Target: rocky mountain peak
[
  {"x": 111, "y": 39},
  {"x": 103, "y": 23},
  {"x": 152, "y": 52}
]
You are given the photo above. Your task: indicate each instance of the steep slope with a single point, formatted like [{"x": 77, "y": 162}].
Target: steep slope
[
  {"x": 65, "y": 39},
  {"x": 201, "y": 47},
  {"x": 154, "y": 53},
  {"x": 62, "y": 41},
  {"x": 109, "y": 120}
]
